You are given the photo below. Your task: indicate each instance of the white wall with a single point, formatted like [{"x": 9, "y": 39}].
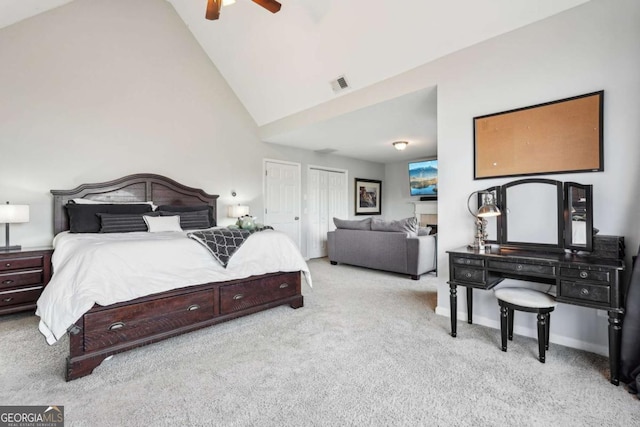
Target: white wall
[
  {"x": 96, "y": 90},
  {"x": 591, "y": 47}
]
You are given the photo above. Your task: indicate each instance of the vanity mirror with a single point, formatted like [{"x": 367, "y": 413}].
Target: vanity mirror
[
  {"x": 578, "y": 217},
  {"x": 534, "y": 214},
  {"x": 541, "y": 214}
]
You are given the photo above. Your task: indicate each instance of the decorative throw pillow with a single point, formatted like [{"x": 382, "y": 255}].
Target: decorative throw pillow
[
  {"x": 123, "y": 223},
  {"x": 162, "y": 223},
  {"x": 424, "y": 231},
  {"x": 84, "y": 218},
  {"x": 363, "y": 224},
  {"x": 407, "y": 225},
  {"x": 191, "y": 220},
  {"x": 194, "y": 208}
]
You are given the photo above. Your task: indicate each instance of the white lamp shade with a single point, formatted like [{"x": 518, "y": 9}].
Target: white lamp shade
[
  {"x": 13, "y": 214},
  {"x": 236, "y": 211}
]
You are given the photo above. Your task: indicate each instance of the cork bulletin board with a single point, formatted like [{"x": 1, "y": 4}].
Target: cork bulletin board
[{"x": 555, "y": 137}]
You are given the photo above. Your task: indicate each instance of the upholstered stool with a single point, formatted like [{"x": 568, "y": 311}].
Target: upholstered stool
[{"x": 529, "y": 300}]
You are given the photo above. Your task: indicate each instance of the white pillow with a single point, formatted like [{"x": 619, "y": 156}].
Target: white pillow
[
  {"x": 98, "y": 202},
  {"x": 162, "y": 223}
]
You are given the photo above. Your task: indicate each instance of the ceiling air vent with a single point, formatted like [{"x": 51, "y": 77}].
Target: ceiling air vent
[{"x": 339, "y": 84}]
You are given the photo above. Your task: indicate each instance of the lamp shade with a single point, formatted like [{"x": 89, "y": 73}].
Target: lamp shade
[
  {"x": 236, "y": 211},
  {"x": 488, "y": 210},
  {"x": 13, "y": 214}
]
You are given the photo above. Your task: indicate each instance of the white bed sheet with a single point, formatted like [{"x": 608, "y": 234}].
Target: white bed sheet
[{"x": 105, "y": 269}]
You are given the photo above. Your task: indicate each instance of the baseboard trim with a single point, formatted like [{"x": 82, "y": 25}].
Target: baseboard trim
[{"x": 532, "y": 333}]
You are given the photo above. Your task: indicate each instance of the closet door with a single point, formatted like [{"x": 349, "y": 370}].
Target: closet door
[{"x": 327, "y": 199}]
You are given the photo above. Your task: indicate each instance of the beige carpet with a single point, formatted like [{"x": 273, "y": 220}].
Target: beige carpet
[{"x": 367, "y": 349}]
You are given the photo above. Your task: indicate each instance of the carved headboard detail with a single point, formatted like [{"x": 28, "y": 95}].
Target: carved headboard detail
[{"x": 143, "y": 187}]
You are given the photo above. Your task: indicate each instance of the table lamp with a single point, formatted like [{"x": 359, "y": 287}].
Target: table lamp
[
  {"x": 12, "y": 214},
  {"x": 487, "y": 209}
]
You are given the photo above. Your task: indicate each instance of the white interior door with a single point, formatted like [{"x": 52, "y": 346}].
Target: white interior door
[
  {"x": 327, "y": 199},
  {"x": 282, "y": 197}
]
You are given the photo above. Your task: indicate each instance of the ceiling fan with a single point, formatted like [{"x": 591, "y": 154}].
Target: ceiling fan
[{"x": 213, "y": 7}]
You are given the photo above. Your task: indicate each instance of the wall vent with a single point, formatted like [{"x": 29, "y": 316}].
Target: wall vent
[
  {"x": 326, "y": 151},
  {"x": 339, "y": 84}
]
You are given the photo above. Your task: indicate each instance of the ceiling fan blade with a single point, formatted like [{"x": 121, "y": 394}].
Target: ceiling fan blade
[
  {"x": 271, "y": 5},
  {"x": 213, "y": 9}
]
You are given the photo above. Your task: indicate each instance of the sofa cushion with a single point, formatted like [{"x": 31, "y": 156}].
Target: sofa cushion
[
  {"x": 363, "y": 224},
  {"x": 407, "y": 225}
]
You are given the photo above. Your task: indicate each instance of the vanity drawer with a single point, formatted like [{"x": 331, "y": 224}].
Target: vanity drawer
[
  {"x": 469, "y": 275},
  {"x": 244, "y": 295},
  {"x": 20, "y": 296},
  {"x": 594, "y": 276},
  {"x": 588, "y": 292},
  {"x": 21, "y": 278},
  {"x": 468, "y": 261},
  {"x": 105, "y": 328},
  {"x": 533, "y": 269},
  {"x": 10, "y": 264}
]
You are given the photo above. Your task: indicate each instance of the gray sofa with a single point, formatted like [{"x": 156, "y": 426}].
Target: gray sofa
[{"x": 391, "y": 246}]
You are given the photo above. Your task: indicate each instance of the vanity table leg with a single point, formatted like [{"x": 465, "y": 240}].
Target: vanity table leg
[
  {"x": 469, "y": 305},
  {"x": 453, "y": 307},
  {"x": 615, "y": 335}
]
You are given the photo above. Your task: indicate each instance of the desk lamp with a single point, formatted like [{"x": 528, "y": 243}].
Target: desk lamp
[{"x": 487, "y": 209}]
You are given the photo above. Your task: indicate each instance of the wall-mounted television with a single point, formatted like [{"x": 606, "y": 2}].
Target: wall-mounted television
[{"x": 423, "y": 179}]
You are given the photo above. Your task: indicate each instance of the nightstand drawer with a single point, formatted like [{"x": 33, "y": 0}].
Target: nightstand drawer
[
  {"x": 21, "y": 278},
  {"x": 9, "y": 264},
  {"x": 585, "y": 291},
  {"x": 468, "y": 261},
  {"x": 533, "y": 269},
  {"x": 575, "y": 273},
  {"x": 469, "y": 275},
  {"x": 20, "y": 296}
]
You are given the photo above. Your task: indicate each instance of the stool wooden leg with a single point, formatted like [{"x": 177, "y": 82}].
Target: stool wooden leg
[
  {"x": 510, "y": 317},
  {"x": 542, "y": 340},
  {"x": 547, "y": 331},
  {"x": 503, "y": 326}
]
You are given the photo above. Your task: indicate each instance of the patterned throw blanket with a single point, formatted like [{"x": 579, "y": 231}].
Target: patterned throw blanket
[{"x": 222, "y": 243}]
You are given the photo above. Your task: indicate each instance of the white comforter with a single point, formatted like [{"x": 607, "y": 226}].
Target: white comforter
[{"x": 109, "y": 268}]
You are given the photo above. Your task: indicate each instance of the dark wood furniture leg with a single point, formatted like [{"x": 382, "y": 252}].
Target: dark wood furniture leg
[
  {"x": 469, "y": 305},
  {"x": 510, "y": 316},
  {"x": 504, "y": 320},
  {"x": 547, "y": 331},
  {"x": 615, "y": 335},
  {"x": 453, "y": 307},
  {"x": 542, "y": 339}
]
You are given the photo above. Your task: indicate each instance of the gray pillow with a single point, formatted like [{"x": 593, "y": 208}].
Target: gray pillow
[
  {"x": 362, "y": 224},
  {"x": 407, "y": 225},
  {"x": 424, "y": 231}
]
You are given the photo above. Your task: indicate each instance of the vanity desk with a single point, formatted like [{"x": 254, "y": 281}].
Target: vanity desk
[{"x": 584, "y": 280}]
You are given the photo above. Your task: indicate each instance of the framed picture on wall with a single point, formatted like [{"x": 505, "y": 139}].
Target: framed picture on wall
[{"x": 368, "y": 194}]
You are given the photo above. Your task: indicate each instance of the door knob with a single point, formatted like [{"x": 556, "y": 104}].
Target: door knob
[{"x": 297, "y": 218}]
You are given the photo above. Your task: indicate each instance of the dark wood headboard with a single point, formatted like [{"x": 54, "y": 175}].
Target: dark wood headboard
[{"x": 142, "y": 187}]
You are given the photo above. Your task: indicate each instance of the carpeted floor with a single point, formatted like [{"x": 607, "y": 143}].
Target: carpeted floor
[{"x": 366, "y": 350}]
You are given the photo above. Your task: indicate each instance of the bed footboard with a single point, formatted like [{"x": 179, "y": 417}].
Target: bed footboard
[{"x": 108, "y": 330}]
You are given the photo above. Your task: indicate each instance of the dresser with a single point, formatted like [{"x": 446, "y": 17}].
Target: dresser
[
  {"x": 23, "y": 275},
  {"x": 589, "y": 281}
]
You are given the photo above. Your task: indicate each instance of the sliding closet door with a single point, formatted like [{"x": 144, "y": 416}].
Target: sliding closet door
[{"x": 327, "y": 199}]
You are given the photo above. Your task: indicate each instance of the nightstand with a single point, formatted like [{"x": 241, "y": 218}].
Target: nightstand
[{"x": 23, "y": 275}]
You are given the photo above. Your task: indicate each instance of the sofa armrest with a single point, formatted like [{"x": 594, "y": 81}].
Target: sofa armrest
[{"x": 421, "y": 254}]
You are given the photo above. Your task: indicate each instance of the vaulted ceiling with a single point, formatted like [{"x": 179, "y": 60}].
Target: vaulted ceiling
[{"x": 282, "y": 64}]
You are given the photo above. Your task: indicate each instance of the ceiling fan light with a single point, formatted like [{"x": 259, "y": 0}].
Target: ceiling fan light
[
  {"x": 228, "y": 2},
  {"x": 400, "y": 145}
]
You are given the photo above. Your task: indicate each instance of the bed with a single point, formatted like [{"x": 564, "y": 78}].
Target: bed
[{"x": 103, "y": 330}]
